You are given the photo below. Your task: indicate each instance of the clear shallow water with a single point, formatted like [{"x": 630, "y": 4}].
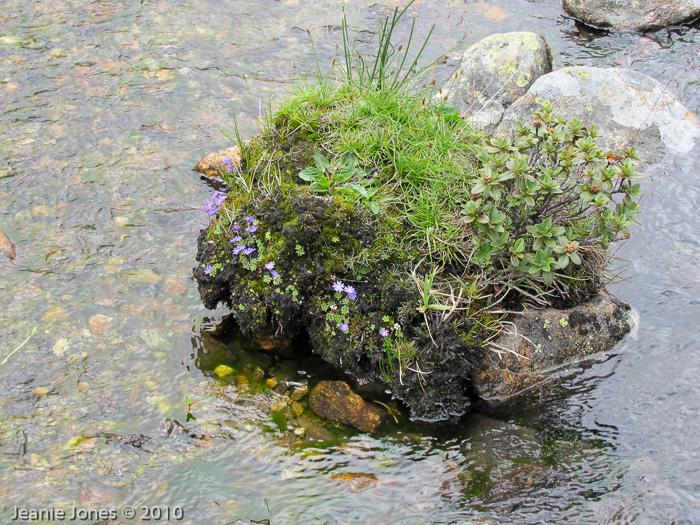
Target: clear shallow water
[{"x": 104, "y": 109}]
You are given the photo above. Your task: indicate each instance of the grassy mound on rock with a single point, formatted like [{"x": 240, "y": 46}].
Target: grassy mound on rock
[{"x": 368, "y": 214}]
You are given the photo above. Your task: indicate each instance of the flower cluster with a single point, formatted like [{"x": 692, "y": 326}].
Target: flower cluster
[
  {"x": 229, "y": 165},
  {"x": 247, "y": 250},
  {"x": 339, "y": 287},
  {"x": 271, "y": 266},
  {"x": 213, "y": 205}
]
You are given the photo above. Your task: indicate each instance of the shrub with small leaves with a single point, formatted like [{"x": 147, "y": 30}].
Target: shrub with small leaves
[{"x": 546, "y": 204}]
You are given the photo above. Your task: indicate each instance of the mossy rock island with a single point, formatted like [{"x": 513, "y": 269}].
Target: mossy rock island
[{"x": 370, "y": 221}]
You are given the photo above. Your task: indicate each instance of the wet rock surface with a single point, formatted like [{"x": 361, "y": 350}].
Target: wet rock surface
[
  {"x": 334, "y": 400},
  {"x": 640, "y": 15},
  {"x": 521, "y": 482},
  {"x": 498, "y": 70},
  {"x": 541, "y": 342},
  {"x": 628, "y": 109}
]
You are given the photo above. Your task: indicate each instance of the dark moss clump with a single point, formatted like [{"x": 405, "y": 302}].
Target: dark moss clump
[{"x": 327, "y": 270}]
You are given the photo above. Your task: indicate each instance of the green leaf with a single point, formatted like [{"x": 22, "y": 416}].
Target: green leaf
[
  {"x": 309, "y": 174},
  {"x": 322, "y": 163},
  {"x": 548, "y": 278},
  {"x": 348, "y": 159}
]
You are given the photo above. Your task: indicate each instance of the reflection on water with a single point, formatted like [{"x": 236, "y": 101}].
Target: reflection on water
[{"x": 105, "y": 108}]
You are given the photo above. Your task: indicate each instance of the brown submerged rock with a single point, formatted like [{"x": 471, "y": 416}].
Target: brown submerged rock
[
  {"x": 521, "y": 482},
  {"x": 543, "y": 342},
  {"x": 335, "y": 400}
]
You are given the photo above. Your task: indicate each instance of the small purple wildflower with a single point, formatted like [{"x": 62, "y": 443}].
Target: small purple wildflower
[
  {"x": 352, "y": 296},
  {"x": 248, "y": 218},
  {"x": 236, "y": 227},
  {"x": 237, "y": 238},
  {"x": 214, "y": 203},
  {"x": 344, "y": 327},
  {"x": 238, "y": 249},
  {"x": 274, "y": 273},
  {"x": 384, "y": 332},
  {"x": 248, "y": 251},
  {"x": 349, "y": 290},
  {"x": 338, "y": 286},
  {"x": 207, "y": 270},
  {"x": 229, "y": 165},
  {"x": 253, "y": 229},
  {"x": 269, "y": 265}
]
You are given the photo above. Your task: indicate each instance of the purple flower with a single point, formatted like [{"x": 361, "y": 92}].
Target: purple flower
[
  {"x": 237, "y": 238},
  {"x": 349, "y": 290},
  {"x": 274, "y": 273},
  {"x": 253, "y": 229},
  {"x": 338, "y": 286},
  {"x": 269, "y": 265},
  {"x": 248, "y": 251},
  {"x": 238, "y": 249},
  {"x": 218, "y": 198},
  {"x": 236, "y": 226},
  {"x": 352, "y": 296},
  {"x": 344, "y": 327},
  {"x": 214, "y": 203},
  {"x": 248, "y": 218},
  {"x": 210, "y": 208},
  {"x": 384, "y": 332},
  {"x": 207, "y": 270}
]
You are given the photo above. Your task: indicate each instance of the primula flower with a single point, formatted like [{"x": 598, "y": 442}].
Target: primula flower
[
  {"x": 207, "y": 270},
  {"x": 248, "y": 251},
  {"x": 248, "y": 218},
  {"x": 237, "y": 238},
  {"x": 352, "y": 296},
  {"x": 253, "y": 229},
  {"x": 274, "y": 273},
  {"x": 238, "y": 249},
  {"x": 269, "y": 265},
  {"x": 236, "y": 227},
  {"x": 384, "y": 332},
  {"x": 338, "y": 286},
  {"x": 344, "y": 327}
]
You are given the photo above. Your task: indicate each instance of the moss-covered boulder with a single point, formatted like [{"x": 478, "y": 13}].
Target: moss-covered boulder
[{"x": 370, "y": 220}]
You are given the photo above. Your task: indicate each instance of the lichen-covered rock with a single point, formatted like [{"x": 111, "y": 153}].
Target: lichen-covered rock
[
  {"x": 498, "y": 70},
  {"x": 212, "y": 163},
  {"x": 638, "y": 15},
  {"x": 626, "y": 107},
  {"x": 541, "y": 342},
  {"x": 334, "y": 400}
]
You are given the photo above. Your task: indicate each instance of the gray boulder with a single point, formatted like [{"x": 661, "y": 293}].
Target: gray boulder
[
  {"x": 498, "y": 70},
  {"x": 540, "y": 343},
  {"x": 628, "y": 108},
  {"x": 637, "y": 15}
]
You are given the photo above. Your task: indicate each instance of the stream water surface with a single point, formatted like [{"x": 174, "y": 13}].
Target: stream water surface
[{"x": 105, "y": 106}]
